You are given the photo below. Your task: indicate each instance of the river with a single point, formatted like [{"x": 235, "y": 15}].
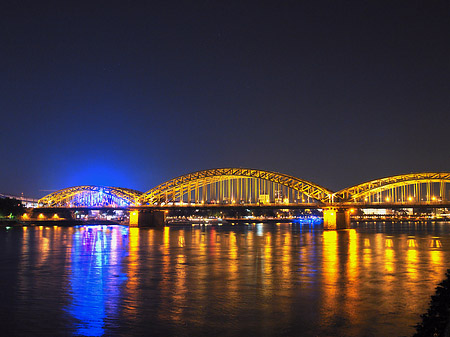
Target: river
[{"x": 256, "y": 280}]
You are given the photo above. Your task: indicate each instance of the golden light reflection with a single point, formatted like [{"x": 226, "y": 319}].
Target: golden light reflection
[
  {"x": 211, "y": 241},
  {"x": 367, "y": 253},
  {"x": 166, "y": 237},
  {"x": 23, "y": 280},
  {"x": 233, "y": 251},
  {"x": 287, "y": 282},
  {"x": 330, "y": 273},
  {"x": 352, "y": 266},
  {"x": 44, "y": 244},
  {"x": 330, "y": 251},
  {"x": 179, "y": 289},
  {"x": 195, "y": 237},
  {"x": 411, "y": 259},
  {"x": 151, "y": 237},
  {"x": 201, "y": 271},
  {"x": 411, "y": 243},
  {"x": 181, "y": 240},
  {"x": 436, "y": 259},
  {"x": 435, "y": 243},
  {"x": 267, "y": 264},
  {"x": 389, "y": 243},
  {"x": 233, "y": 268},
  {"x": 166, "y": 279},
  {"x": 132, "y": 274},
  {"x": 389, "y": 260},
  {"x": 286, "y": 260},
  {"x": 352, "y": 276}
]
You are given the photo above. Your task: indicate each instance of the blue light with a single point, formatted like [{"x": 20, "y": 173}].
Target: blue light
[
  {"x": 98, "y": 198},
  {"x": 95, "y": 263}
]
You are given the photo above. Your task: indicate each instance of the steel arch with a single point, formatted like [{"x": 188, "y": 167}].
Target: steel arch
[
  {"x": 176, "y": 186},
  {"x": 383, "y": 184},
  {"x": 58, "y": 198}
]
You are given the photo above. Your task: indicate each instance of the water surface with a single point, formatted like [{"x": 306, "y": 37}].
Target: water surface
[{"x": 262, "y": 279}]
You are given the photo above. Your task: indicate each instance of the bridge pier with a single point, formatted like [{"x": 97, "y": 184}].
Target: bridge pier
[
  {"x": 335, "y": 218},
  {"x": 147, "y": 218}
]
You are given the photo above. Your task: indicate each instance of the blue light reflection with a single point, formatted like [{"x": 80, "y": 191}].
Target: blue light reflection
[{"x": 96, "y": 276}]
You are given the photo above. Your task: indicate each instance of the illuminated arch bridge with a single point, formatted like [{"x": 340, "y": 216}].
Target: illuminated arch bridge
[
  {"x": 255, "y": 187},
  {"x": 236, "y": 186},
  {"x": 406, "y": 188},
  {"x": 91, "y": 196}
]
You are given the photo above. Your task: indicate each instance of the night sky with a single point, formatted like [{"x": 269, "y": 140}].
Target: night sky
[{"x": 131, "y": 93}]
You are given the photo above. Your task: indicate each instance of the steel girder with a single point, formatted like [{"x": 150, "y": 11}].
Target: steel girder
[
  {"x": 177, "y": 186},
  {"x": 59, "y": 198},
  {"x": 383, "y": 184}
]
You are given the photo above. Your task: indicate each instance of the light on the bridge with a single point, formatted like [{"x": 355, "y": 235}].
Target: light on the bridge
[
  {"x": 25, "y": 216},
  {"x": 433, "y": 198},
  {"x": 388, "y": 199},
  {"x": 41, "y": 216},
  {"x": 55, "y": 216},
  {"x": 352, "y": 210},
  {"x": 410, "y": 198}
]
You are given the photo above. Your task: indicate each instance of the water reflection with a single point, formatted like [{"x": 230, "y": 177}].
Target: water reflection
[
  {"x": 263, "y": 279},
  {"x": 132, "y": 286},
  {"x": 95, "y": 277}
]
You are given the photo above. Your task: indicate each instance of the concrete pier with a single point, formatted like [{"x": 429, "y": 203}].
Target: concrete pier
[
  {"x": 335, "y": 218},
  {"x": 147, "y": 218}
]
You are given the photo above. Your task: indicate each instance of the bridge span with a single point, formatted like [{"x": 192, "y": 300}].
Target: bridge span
[{"x": 251, "y": 188}]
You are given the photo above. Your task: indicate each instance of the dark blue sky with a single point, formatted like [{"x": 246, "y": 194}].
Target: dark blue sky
[{"x": 130, "y": 93}]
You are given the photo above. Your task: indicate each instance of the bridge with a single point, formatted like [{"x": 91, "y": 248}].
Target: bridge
[
  {"x": 253, "y": 188},
  {"x": 27, "y": 202}
]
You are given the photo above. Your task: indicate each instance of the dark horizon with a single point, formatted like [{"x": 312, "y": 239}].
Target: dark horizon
[{"x": 134, "y": 94}]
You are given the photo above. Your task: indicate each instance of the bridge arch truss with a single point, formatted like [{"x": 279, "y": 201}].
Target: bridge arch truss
[
  {"x": 91, "y": 196},
  {"x": 414, "y": 187},
  {"x": 235, "y": 185}
]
